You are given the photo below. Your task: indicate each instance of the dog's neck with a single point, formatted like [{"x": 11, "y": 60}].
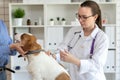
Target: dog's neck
[
  {"x": 33, "y": 52},
  {"x": 31, "y": 55},
  {"x": 34, "y": 48}
]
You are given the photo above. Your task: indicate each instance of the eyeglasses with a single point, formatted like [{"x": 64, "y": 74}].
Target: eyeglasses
[{"x": 82, "y": 17}]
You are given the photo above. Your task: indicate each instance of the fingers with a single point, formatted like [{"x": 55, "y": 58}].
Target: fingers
[
  {"x": 66, "y": 51},
  {"x": 17, "y": 46},
  {"x": 48, "y": 53},
  {"x": 21, "y": 52},
  {"x": 63, "y": 55}
]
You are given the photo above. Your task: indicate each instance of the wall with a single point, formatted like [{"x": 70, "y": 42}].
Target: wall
[{"x": 4, "y": 10}]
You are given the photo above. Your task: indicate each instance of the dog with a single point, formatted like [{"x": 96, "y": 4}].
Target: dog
[{"x": 40, "y": 65}]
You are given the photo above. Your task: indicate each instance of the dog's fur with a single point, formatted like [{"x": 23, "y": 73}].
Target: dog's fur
[{"x": 41, "y": 66}]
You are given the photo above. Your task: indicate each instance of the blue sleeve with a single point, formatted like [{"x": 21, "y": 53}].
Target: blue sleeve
[{"x": 5, "y": 42}]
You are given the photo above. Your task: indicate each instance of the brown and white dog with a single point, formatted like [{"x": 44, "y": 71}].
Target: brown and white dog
[{"x": 40, "y": 65}]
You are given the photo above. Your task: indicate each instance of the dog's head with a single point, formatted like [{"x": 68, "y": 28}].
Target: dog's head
[{"x": 29, "y": 42}]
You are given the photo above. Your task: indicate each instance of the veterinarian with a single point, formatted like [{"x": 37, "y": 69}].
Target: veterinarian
[
  {"x": 6, "y": 48},
  {"x": 86, "y": 47}
]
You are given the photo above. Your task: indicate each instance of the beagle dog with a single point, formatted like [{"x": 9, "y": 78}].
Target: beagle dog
[{"x": 40, "y": 65}]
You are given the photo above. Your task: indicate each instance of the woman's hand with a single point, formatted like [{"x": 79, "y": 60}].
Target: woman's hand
[
  {"x": 49, "y": 53},
  {"x": 17, "y": 46},
  {"x": 67, "y": 57}
]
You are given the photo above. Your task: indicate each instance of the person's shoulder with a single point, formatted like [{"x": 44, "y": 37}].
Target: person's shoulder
[{"x": 102, "y": 34}]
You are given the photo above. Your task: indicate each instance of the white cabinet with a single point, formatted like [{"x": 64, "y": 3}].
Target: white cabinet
[
  {"x": 51, "y": 35},
  {"x": 110, "y": 31},
  {"x": 54, "y": 37},
  {"x": 110, "y": 64}
]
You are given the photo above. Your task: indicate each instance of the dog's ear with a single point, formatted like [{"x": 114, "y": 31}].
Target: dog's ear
[
  {"x": 25, "y": 41},
  {"x": 29, "y": 42}
]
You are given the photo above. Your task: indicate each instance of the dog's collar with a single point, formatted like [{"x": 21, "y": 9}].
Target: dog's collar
[{"x": 32, "y": 52}]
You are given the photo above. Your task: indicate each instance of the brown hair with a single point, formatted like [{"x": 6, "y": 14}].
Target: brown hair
[{"x": 95, "y": 10}]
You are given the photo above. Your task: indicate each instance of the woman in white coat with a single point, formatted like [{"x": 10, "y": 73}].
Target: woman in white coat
[{"x": 86, "y": 47}]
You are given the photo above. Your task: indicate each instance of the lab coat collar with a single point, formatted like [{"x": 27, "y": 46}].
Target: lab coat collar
[
  {"x": 92, "y": 35},
  {"x": 94, "y": 32}
]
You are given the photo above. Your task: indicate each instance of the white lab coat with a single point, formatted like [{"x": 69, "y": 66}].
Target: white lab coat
[{"x": 90, "y": 69}]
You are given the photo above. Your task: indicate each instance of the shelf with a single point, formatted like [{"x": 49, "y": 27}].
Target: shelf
[
  {"x": 29, "y": 26},
  {"x": 59, "y": 3},
  {"x": 17, "y": 4},
  {"x": 104, "y": 25},
  {"x": 107, "y": 3},
  {"x": 97, "y": 2},
  {"x": 62, "y": 25}
]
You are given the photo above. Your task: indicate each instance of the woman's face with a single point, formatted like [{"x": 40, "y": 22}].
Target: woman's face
[{"x": 86, "y": 18}]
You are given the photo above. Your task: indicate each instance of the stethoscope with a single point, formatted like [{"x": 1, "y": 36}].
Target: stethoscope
[
  {"x": 69, "y": 43},
  {"x": 70, "y": 47}
]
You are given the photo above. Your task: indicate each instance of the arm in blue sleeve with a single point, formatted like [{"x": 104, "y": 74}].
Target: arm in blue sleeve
[
  {"x": 5, "y": 50},
  {"x": 5, "y": 41},
  {"x": 13, "y": 51}
]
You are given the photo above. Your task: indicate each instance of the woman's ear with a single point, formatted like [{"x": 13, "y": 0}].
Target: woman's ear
[{"x": 95, "y": 17}]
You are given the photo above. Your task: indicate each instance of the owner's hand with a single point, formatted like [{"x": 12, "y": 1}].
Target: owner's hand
[
  {"x": 68, "y": 57},
  {"x": 17, "y": 46}
]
